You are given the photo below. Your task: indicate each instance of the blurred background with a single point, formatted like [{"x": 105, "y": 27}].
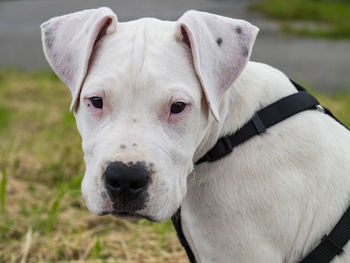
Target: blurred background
[
  {"x": 323, "y": 63},
  {"x": 42, "y": 215}
]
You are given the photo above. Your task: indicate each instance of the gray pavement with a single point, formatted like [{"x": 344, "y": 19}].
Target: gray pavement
[{"x": 324, "y": 64}]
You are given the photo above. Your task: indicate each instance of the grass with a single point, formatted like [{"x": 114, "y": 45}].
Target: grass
[
  {"x": 315, "y": 18},
  {"x": 42, "y": 214},
  {"x": 2, "y": 191}
]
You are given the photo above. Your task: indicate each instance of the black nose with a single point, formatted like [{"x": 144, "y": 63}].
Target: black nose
[{"x": 126, "y": 182}]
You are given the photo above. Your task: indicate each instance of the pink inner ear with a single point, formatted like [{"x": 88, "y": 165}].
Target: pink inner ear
[{"x": 69, "y": 45}]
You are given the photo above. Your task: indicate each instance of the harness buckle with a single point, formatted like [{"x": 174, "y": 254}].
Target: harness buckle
[
  {"x": 259, "y": 125},
  {"x": 320, "y": 108},
  {"x": 222, "y": 148}
]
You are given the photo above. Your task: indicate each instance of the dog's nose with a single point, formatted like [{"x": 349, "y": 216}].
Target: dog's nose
[{"x": 126, "y": 182}]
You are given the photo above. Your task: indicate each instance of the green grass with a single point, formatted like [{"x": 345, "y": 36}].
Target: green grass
[
  {"x": 3, "y": 183},
  {"x": 319, "y": 18},
  {"x": 41, "y": 168}
]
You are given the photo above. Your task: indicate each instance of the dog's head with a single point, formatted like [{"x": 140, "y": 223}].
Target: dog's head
[{"x": 142, "y": 93}]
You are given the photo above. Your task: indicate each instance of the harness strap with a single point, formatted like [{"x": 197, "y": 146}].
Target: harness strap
[
  {"x": 262, "y": 120},
  {"x": 331, "y": 244},
  {"x": 176, "y": 218}
]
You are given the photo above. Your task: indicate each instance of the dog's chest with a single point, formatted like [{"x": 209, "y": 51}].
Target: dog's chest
[{"x": 220, "y": 218}]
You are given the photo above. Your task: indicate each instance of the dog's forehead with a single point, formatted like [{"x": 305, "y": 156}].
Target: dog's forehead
[{"x": 144, "y": 52}]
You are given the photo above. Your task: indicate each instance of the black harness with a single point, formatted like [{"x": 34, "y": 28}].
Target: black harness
[{"x": 332, "y": 244}]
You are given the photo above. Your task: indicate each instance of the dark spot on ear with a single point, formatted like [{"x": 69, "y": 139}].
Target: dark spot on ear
[
  {"x": 238, "y": 30},
  {"x": 103, "y": 195},
  {"x": 123, "y": 146},
  {"x": 245, "y": 51},
  {"x": 134, "y": 144},
  {"x": 49, "y": 37},
  {"x": 219, "y": 41},
  {"x": 88, "y": 105}
]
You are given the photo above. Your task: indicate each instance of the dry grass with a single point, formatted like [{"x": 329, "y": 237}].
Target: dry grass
[{"x": 42, "y": 215}]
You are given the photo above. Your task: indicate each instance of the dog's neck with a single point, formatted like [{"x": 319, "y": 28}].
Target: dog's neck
[{"x": 258, "y": 86}]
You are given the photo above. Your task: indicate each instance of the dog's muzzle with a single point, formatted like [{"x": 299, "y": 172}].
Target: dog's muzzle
[{"x": 127, "y": 186}]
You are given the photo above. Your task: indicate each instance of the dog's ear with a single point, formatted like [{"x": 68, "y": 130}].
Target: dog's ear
[
  {"x": 68, "y": 43},
  {"x": 220, "y": 47}
]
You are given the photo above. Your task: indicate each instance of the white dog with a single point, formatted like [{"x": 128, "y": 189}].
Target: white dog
[{"x": 151, "y": 97}]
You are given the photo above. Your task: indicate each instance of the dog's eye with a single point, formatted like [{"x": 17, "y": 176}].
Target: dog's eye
[
  {"x": 177, "y": 107},
  {"x": 97, "y": 102}
]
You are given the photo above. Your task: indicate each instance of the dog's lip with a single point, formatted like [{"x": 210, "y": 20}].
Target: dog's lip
[
  {"x": 125, "y": 213},
  {"x": 128, "y": 214}
]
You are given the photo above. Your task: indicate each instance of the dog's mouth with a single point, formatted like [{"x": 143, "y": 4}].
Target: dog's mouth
[
  {"x": 126, "y": 214},
  {"x": 129, "y": 215}
]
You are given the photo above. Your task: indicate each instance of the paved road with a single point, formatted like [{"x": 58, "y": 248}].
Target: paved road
[{"x": 324, "y": 64}]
